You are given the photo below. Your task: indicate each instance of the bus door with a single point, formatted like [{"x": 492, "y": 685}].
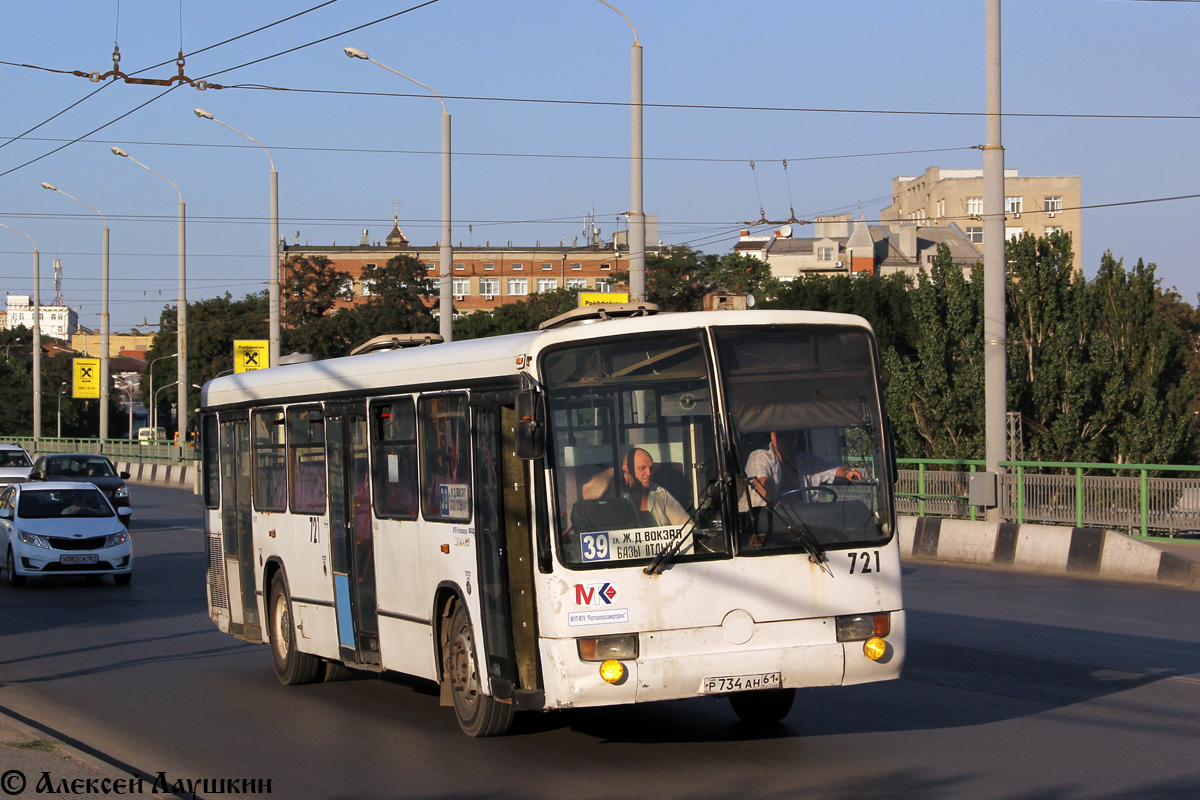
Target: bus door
[
  {"x": 504, "y": 545},
  {"x": 351, "y": 538},
  {"x": 237, "y": 530}
]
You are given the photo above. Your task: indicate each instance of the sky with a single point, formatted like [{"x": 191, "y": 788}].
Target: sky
[{"x": 848, "y": 94}]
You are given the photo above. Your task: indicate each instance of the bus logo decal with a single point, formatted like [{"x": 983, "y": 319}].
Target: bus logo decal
[{"x": 595, "y": 594}]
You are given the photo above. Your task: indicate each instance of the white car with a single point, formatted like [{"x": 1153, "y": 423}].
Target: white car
[
  {"x": 63, "y": 529},
  {"x": 14, "y": 464}
]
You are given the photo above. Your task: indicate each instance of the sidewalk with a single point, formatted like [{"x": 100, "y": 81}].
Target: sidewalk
[{"x": 29, "y": 761}]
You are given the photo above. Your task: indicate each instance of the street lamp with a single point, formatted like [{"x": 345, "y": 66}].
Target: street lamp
[
  {"x": 37, "y": 337},
  {"x": 637, "y": 216},
  {"x": 8, "y": 347},
  {"x": 181, "y": 305},
  {"x": 445, "y": 252},
  {"x": 61, "y": 389},
  {"x": 104, "y": 379},
  {"x": 154, "y": 408},
  {"x": 273, "y": 285},
  {"x": 155, "y": 399}
]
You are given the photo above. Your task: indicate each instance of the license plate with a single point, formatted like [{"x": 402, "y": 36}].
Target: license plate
[
  {"x": 89, "y": 558},
  {"x": 741, "y": 683}
]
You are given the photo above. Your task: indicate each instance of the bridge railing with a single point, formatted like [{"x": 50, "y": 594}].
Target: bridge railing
[
  {"x": 116, "y": 449},
  {"x": 1145, "y": 499}
]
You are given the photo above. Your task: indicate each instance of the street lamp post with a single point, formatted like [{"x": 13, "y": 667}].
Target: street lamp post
[
  {"x": 61, "y": 390},
  {"x": 273, "y": 286},
  {"x": 181, "y": 305},
  {"x": 104, "y": 379},
  {"x": 445, "y": 250},
  {"x": 637, "y": 216},
  {"x": 155, "y": 398},
  {"x": 37, "y": 337},
  {"x": 154, "y": 408}
]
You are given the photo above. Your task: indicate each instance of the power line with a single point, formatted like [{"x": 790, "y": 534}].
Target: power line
[
  {"x": 711, "y": 107},
  {"x": 580, "y": 156}
]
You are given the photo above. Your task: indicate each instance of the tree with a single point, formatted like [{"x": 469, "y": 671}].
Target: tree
[
  {"x": 516, "y": 317},
  {"x": 213, "y": 326},
  {"x": 679, "y": 278},
  {"x": 934, "y": 396},
  {"x": 312, "y": 287},
  {"x": 885, "y": 302}
]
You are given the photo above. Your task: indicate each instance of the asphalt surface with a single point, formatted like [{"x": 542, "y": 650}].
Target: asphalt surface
[{"x": 1017, "y": 686}]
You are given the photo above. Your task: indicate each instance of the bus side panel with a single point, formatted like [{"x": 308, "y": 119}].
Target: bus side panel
[
  {"x": 404, "y": 550},
  {"x": 299, "y": 542}
]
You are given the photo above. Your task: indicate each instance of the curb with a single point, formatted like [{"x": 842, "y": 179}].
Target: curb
[{"x": 1085, "y": 552}]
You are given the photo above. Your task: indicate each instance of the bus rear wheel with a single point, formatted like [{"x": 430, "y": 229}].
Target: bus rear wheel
[
  {"x": 764, "y": 706},
  {"x": 292, "y": 666},
  {"x": 478, "y": 714}
]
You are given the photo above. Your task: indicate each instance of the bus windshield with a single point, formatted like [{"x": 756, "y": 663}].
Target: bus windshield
[
  {"x": 638, "y": 460},
  {"x": 634, "y": 449},
  {"x": 805, "y": 425}
]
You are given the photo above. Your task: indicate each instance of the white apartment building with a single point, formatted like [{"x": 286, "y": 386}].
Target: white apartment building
[{"x": 56, "y": 321}]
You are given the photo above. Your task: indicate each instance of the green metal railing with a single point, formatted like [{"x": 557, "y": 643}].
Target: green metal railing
[
  {"x": 116, "y": 449},
  {"x": 1148, "y": 500}
]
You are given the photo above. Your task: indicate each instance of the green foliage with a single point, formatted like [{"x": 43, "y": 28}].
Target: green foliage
[
  {"x": 212, "y": 327},
  {"x": 679, "y": 278},
  {"x": 516, "y": 317},
  {"x": 311, "y": 288},
  {"x": 79, "y": 417},
  {"x": 885, "y": 302},
  {"x": 934, "y": 396}
]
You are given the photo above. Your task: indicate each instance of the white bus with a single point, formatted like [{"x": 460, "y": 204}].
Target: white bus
[{"x": 460, "y": 512}]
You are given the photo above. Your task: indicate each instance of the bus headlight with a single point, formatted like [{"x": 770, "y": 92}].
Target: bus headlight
[
  {"x": 612, "y": 671},
  {"x": 857, "y": 627},
  {"x": 603, "y": 648},
  {"x": 874, "y": 648}
]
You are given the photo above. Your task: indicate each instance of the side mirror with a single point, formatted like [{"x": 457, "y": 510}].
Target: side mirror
[
  {"x": 124, "y": 476},
  {"x": 125, "y": 511},
  {"x": 531, "y": 424},
  {"x": 6, "y": 513}
]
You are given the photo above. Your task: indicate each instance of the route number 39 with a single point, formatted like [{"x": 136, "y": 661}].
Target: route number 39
[{"x": 862, "y": 562}]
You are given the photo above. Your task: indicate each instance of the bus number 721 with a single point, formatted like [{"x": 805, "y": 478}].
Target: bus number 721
[{"x": 865, "y": 566}]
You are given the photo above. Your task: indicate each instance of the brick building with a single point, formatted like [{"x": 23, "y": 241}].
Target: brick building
[{"x": 484, "y": 276}]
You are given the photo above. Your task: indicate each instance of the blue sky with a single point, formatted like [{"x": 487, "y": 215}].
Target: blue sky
[{"x": 530, "y": 172}]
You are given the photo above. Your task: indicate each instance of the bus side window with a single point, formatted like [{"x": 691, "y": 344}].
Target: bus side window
[
  {"x": 306, "y": 460},
  {"x": 445, "y": 452},
  {"x": 394, "y": 442},
  {"x": 270, "y": 460}
]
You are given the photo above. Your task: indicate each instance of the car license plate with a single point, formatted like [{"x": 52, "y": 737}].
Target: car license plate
[
  {"x": 741, "y": 683},
  {"x": 89, "y": 558}
]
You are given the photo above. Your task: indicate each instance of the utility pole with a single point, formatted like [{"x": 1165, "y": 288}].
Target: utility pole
[{"x": 994, "y": 333}]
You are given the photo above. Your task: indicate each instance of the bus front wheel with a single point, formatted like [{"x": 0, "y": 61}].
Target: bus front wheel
[
  {"x": 763, "y": 706},
  {"x": 478, "y": 714},
  {"x": 292, "y": 666}
]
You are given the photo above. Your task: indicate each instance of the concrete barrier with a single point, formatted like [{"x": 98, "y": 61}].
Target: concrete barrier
[
  {"x": 160, "y": 473},
  {"x": 1043, "y": 548}
]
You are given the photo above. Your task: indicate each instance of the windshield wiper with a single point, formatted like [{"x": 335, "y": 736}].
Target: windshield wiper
[
  {"x": 816, "y": 553},
  {"x": 673, "y": 547}
]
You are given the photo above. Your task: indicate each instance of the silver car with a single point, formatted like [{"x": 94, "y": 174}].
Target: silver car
[
  {"x": 14, "y": 464},
  {"x": 63, "y": 529}
]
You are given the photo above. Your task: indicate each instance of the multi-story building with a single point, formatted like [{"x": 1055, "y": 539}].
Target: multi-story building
[
  {"x": 56, "y": 321},
  {"x": 484, "y": 277},
  {"x": 840, "y": 245},
  {"x": 1035, "y": 205}
]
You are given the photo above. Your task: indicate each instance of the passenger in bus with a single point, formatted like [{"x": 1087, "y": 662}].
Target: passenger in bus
[
  {"x": 781, "y": 467},
  {"x": 656, "y": 506}
]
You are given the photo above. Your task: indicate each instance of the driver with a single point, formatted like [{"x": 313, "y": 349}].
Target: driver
[{"x": 766, "y": 469}]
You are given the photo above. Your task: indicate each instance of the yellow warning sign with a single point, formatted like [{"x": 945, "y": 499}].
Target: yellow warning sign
[
  {"x": 251, "y": 354},
  {"x": 602, "y": 298},
  {"x": 87, "y": 378}
]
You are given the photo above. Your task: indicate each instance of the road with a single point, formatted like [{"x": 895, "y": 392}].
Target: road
[{"x": 1017, "y": 686}]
